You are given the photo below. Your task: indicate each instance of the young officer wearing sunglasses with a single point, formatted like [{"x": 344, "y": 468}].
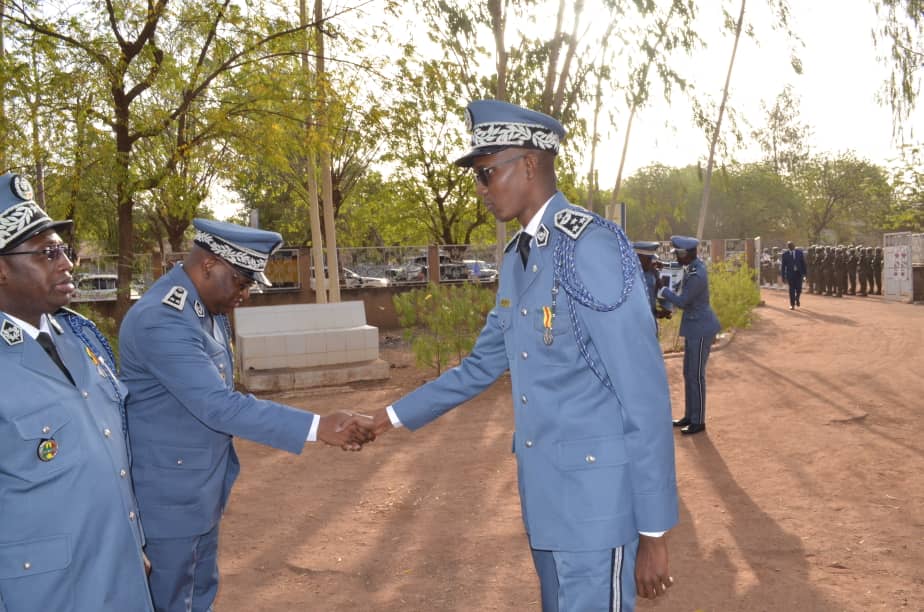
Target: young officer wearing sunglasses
[
  {"x": 573, "y": 325},
  {"x": 70, "y": 538}
]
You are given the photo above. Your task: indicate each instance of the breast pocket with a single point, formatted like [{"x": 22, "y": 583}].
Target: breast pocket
[
  {"x": 563, "y": 350},
  {"x": 40, "y": 445}
]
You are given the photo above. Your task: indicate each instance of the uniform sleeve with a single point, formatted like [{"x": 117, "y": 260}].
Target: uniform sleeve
[
  {"x": 484, "y": 365},
  {"x": 627, "y": 344},
  {"x": 693, "y": 288},
  {"x": 170, "y": 351}
]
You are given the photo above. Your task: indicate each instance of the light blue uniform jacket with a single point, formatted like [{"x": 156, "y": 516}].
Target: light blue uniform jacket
[
  {"x": 594, "y": 467},
  {"x": 183, "y": 411},
  {"x": 699, "y": 320},
  {"x": 70, "y": 538}
]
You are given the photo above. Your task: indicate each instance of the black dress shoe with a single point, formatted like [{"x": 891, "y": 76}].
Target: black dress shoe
[
  {"x": 693, "y": 428},
  {"x": 681, "y": 422}
]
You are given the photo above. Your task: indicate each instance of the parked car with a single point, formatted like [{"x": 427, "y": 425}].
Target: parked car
[
  {"x": 485, "y": 272},
  {"x": 415, "y": 269},
  {"x": 99, "y": 288},
  {"x": 352, "y": 280}
]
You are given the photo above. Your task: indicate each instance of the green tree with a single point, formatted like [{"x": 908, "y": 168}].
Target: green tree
[{"x": 844, "y": 194}]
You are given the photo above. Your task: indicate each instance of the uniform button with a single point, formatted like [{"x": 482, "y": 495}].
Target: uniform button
[
  {"x": 524, "y": 312},
  {"x": 179, "y": 462},
  {"x": 84, "y": 394},
  {"x": 524, "y": 354},
  {"x": 529, "y": 444},
  {"x": 590, "y": 459},
  {"x": 131, "y": 515},
  {"x": 221, "y": 366},
  {"x": 523, "y": 398},
  {"x": 46, "y": 429},
  {"x": 535, "y": 268},
  {"x": 107, "y": 432},
  {"x": 27, "y": 565},
  {"x": 123, "y": 473}
]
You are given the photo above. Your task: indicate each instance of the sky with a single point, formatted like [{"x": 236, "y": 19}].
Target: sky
[{"x": 836, "y": 91}]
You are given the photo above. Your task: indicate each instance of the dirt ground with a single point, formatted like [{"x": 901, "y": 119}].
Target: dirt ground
[{"x": 805, "y": 494}]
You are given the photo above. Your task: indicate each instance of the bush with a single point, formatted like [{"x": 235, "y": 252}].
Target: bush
[
  {"x": 733, "y": 292},
  {"x": 443, "y": 321}
]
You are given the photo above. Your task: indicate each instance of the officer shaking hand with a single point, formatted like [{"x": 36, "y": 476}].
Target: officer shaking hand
[
  {"x": 573, "y": 325},
  {"x": 183, "y": 410}
]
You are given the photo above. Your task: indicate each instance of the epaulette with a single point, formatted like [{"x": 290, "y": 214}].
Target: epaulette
[
  {"x": 512, "y": 241},
  {"x": 176, "y": 297},
  {"x": 572, "y": 222}
]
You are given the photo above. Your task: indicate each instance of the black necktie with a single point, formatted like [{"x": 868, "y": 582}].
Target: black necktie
[
  {"x": 523, "y": 247},
  {"x": 48, "y": 344}
]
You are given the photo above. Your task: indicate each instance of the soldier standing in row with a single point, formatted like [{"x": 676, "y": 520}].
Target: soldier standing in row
[
  {"x": 809, "y": 267},
  {"x": 851, "y": 270},
  {"x": 862, "y": 270},
  {"x": 877, "y": 269}
]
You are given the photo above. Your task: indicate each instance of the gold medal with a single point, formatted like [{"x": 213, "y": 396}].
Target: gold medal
[{"x": 547, "y": 316}]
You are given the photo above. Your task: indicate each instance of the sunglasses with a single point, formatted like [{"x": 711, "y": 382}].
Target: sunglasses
[
  {"x": 51, "y": 253},
  {"x": 243, "y": 283},
  {"x": 483, "y": 174}
]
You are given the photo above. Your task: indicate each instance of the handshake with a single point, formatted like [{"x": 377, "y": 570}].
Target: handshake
[{"x": 351, "y": 430}]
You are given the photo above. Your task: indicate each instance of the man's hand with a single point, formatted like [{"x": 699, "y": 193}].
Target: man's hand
[
  {"x": 147, "y": 565},
  {"x": 652, "y": 577},
  {"x": 380, "y": 422},
  {"x": 348, "y": 430}
]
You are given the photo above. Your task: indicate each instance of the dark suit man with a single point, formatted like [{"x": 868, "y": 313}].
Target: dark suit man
[{"x": 792, "y": 268}]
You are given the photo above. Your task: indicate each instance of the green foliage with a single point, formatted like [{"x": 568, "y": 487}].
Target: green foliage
[
  {"x": 733, "y": 293},
  {"x": 443, "y": 321}
]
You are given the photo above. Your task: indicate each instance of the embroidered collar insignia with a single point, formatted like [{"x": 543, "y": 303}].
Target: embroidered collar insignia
[
  {"x": 542, "y": 235},
  {"x": 199, "y": 308},
  {"x": 10, "y": 332}
]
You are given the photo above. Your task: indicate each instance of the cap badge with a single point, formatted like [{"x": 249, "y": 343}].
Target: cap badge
[
  {"x": 47, "y": 449},
  {"x": 10, "y": 332},
  {"x": 21, "y": 187}
]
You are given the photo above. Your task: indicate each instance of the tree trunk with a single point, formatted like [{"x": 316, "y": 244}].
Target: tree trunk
[
  {"x": 718, "y": 126},
  {"x": 4, "y": 164},
  {"x": 498, "y": 27},
  {"x": 330, "y": 225},
  {"x": 314, "y": 216}
]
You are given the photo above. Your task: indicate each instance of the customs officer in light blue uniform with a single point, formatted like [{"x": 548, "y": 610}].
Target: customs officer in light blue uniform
[
  {"x": 572, "y": 323},
  {"x": 698, "y": 326},
  {"x": 183, "y": 411},
  {"x": 70, "y": 537}
]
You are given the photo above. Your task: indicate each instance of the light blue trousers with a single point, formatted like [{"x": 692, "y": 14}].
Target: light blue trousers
[{"x": 591, "y": 581}]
